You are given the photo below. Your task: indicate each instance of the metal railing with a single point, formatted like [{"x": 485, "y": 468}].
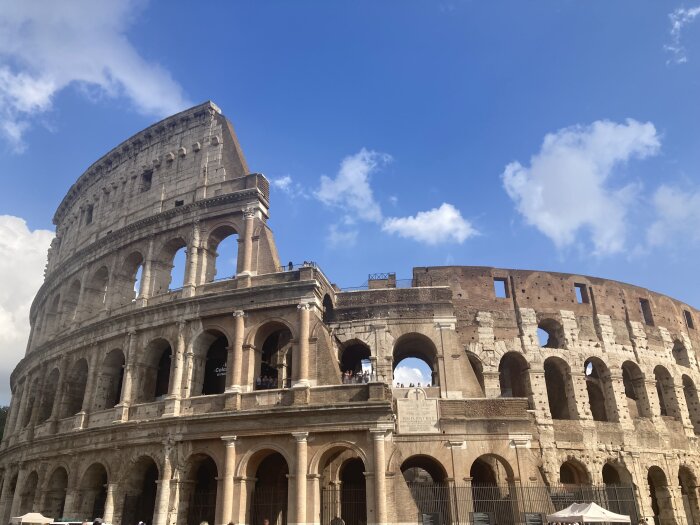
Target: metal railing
[{"x": 295, "y": 266}]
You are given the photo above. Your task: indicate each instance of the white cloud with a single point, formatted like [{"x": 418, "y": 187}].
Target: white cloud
[
  {"x": 287, "y": 185},
  {"x": 680, "y": 17},
  {"x": 339, "y": 238},
  {"x": 677, "y": 216},
  {"x": 412, "y": 371},
  {"x": 21, "y": 274},
  {"x": 283, "y": 183},
  {"x": 350, "y": 190},
  {"x": 46, "y": 46},
  {"x": 566, "y": 188},
  {"x": 436, "y": 226}
]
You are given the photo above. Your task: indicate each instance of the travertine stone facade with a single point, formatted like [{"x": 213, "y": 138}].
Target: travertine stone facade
[{"x": 224, "y": 399}]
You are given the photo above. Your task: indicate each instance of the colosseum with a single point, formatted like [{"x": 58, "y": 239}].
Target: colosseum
[{"x": 269, "y": 394}]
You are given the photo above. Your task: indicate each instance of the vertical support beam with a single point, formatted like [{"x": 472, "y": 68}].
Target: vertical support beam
[
  {"x": 300, "y": 472},
  {"x": 14, "y": 411},
  {"x": 247, "y": 260},
  {"x": 192, "y": 262},
  {"x": 22, "y": 406},
  {"x": 160, "y": 515},
  {"x": 229, "y": 469},
  {"x": 234, "y": 361},
  {"x": 379, "y": 467},
  {"x": 147, "y": 274},
  {"x": 172, "y": 404},
  {"x": 5, "y": 496},
  {"x": 17, "y": 498},
  {"x": 303, "y": 342},
  {"x": 314, "y": 499},
  {"x": 128, "y": 380},
  {"x": 108, "y": 514}
]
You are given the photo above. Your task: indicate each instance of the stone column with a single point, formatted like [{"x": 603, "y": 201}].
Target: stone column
[
  {"x": 128, "y": 379},
  {"x": 6, "y": 497},
  {"x": 234, "y": 360},
  {"x": 192, "y": 262},
  {"x": 108, "y": 514},
  {"x": 229, "y": 471},
  {"x": 249, "y": 214},
  {"x": 23, "y": 405},
  {"x": 379, "y": 466},
  {"x": 172, "y": 404},
  {"x": 300, "y": 472},
  {"x": 314, "y": 498},
  {"x": 160, "y": 514},
  {"x": 303, "y": 345},
  {"x": 12, "y": 416},
  {"x": 17, "y": 498},
  {"x": 91, "y": 382}
]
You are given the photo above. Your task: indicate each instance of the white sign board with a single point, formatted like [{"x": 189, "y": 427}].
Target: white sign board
[{"x": 417, "y": 414}]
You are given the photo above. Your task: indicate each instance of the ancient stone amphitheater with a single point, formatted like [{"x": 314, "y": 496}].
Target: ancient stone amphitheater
[{"x": 225, "y": 398}]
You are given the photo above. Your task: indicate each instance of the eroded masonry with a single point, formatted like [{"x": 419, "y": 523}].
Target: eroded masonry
[{"x": 226, "y": 397}]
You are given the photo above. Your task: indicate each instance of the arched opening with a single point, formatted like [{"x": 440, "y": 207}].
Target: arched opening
[
  {"x": 169, "y": 267},
  {"x": 688, "y": 483},
  {"x": 75, "y": 384},
  {"x": 601, "y": 395},
  {"x": 354, "y": 362},
  {"x": 95, "y": 293},
  {"x": 619, "y": 490},
  {"x": 156, "y": 372},
  {"x": 269, "y": 497},
  {"x": 426, "y": 479},
  {"x": 572, "y": 472},
  {"x": 661, "y": 503},
  {"x": 199, "y": 497},
  {"x": 222, "y": 257},
  {"x": 416, "y": 347},
  {"x": 28, "y": 494},
  {"x": 70, "y": 303},
  {"x": 127, "y": 282},
  {"x": 635, "y": 391},
  {"x": 342, "y": 483},
  {"x": 560, "y": 389},
  {"x": 513, "y": 376},
  {"x": 140, "y": 492},
  {"x": 328, "y": 312},
  {"x": 29, "y": 409},
  {"x": 691, "y": 400},
  {"x": 93, "y": 490},
  {"x": 52, "y": 320},
  {"x": 550, "y": 334},
  {"x": 665, "y": 390},
  {"x": 48, "y": 396},
  {"x": 493, "y": 496},
  {"x": 610, "y": 475},
  {"x": 109, "y": 386},
  {"x": 680, "y": 354},
  {"x": 210, "y": 354},
  {"x": 353, "y": 495},
  {"x": 55, "y": 495},
  {"x": 478, "y": 369},
  {"x": 275, "y": 360}
]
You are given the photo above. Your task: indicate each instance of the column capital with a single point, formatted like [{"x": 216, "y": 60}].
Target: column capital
[
  {"x": 239, "y": 313},
  {"x": 249, "y": 212},
  {"x": 300, "y": 436},
  {"x": 306, "y": 306},
  {"x": 378, "y": 434},
  {"x": 229, "y": 440}
]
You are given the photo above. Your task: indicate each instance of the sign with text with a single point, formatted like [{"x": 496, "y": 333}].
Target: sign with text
[{"x": 417, "y": 414}]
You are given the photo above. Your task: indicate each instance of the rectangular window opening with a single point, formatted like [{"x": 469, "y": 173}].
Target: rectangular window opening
[
  {"x": 146, "y": 180},
  {"x": 581, "y": 293},
  {"x": 88, "y": 214},
  {"x": 179, "y": 203},
  {"x": 689, "y": 319},
  {"x": 646, "y": 312},
  {"x": 500, "y": 287}
]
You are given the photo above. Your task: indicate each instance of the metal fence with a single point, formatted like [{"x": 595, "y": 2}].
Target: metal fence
[{"x": 269, "y": 503}]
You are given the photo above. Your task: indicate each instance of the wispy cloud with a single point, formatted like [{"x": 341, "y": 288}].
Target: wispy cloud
[
  {"x": 567, "y": 187},
  {"x": 46, "y": 46},
  {"x": 437, "y": 226},
  {"x": 677, "y": 219},
  {"x": 680, "y": 18},
  {"x": 21, "y": 273},
  {"x": 288, "y": 185}
]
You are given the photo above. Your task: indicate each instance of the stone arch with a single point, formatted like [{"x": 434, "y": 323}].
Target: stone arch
[
  {"x": 32, "y": 392},
  {"x": 48, "y": 396},
  {"x": 328, "y": 314},
  {"x": 573, "y": 472},
  {"x": 688, "y": 483},
  {"x": 513, "y": 374},
  {"x": 95, "y": 293},
  {"x": 28, "y": 493},
  {"x": 252, "y": 458},
  {"x": 666, "y": 392},
  {"x": 615, "y": 473},
  {"x": 199, "y": 493},
  {"x": 427, "y": 482},
  {"x": 210, "y": 349},
  {"x": 680, "y": 354},
  {"x": 93, "y": 489},
  {"x": 155, "y": 374},
  {"x": 551, "y": 333},
  {"x": 74, "y": 389},
  {"x": 341, "y": 468},
  {"x": 661, "y": 496},
  {"x": 557, "y": 376},
  {"x": 352, "y": 353},
  {"x": 601, "y": 393},
  {"x": 124, "y": 289},
  {"x": 274, "y": 361},
  {"x": 492, "y": 487},
  {"x": 418, "y": 346},
  {"x": 478, "y": 368},
  {"x": 692, "y": 402},
  {"x": 139, "y": 487},
  {"x": 214, "y": 269},
  {"x": 270, "y": 492},
  {"x": 52, "y": 317},
  {"x": 55, "y": 493},
  {"x": 332, "y": 449},
  {"x": 635, "y": 390},
  {"x": 421, "y": 468},
  {"x": 163, "y": 263},
  {"x": 69, "y": 305},
  {"x": 109, "y": 385},
  {"x": 500, "y": 467}
]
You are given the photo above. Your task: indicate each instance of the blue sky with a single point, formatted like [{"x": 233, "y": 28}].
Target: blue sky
[{"x": 554, "y": 135}]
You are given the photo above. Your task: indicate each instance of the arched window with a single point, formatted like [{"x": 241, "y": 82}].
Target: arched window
[
  {"x": 169, "y": 267},
  {"x": 688, "y": 483},
  {"x": 491, "y": 484},
  {"x": 55, "y": 494},
  {"x": 28, "y": 494},
  {"x": 661, "y": 496},
  {"x": 680, "y": 354},
  {"x": 48, "y": 396},
  {"x": 127, "y": 282},
  {"x": 601, "y": 395},
  {"x": 550, "y": 334},
  {"x": 52, "y": 319},
  {"x": 274, "y": 363},
  {"x": 200, "y": 492},
  {"x": 560, "y": 389},
  {"x": 573, "y": 473},
  {"x": 354, "y": 359},
  {"x": 140, "y": 490},
  {"x": 635, "y": 391},
  {"x": 75, "y": 389},
  {"x": 222, "y": 254},
  {"x": 269, "y": 498},
  {"x": 665, "y": 390},
  {"x": 210, "y": 354},
  {"x": 70, "y": 303},
  {"x": 93, "y": 490},
  {"x": 513, "y": 376},
  {"x": 109, "y": 387},
  {"x": 95, "y": 293},
  {"x": 478, "y": 369},
  {"x": 427, "y": 482},
  {"x": 691, "y": 400},
  {"x": 156, "y": 375},
  {"x": 328, "y": 313},
  {"x": 415, "y": 361}
]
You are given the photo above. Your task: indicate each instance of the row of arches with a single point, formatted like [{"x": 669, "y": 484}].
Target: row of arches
[{"x": 514, "y": 380}]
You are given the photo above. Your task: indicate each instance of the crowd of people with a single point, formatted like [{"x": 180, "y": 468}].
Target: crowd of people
[
  {"x": 265, "y": 383},
  {"x": 352, "y": 378},
  {"x": 410, "y": 385}
]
